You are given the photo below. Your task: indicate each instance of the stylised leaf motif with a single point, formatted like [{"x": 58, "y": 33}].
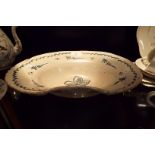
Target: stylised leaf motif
[
  {"x": 69, "y": 83},
  {"x": 38, "y": 66},
  {"x": 77, "y": 81},
  {"x": 121, "y": 78},
  {"x": 86, "y": 82},
  {"x": 105, "y": 61}
]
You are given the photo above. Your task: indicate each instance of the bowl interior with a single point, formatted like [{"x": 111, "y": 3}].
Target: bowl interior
[{"x": 75, "y": 78}]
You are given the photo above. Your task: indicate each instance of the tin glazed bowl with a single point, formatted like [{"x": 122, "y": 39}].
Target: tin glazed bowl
[{"x": 74, "y": 74}]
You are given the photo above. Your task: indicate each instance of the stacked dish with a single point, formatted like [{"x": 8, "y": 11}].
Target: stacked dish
[
  {"x": 74, "y": 74},
  {"x": 146, "y": 42}
]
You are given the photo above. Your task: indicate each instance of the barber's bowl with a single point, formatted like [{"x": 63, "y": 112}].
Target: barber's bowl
[{"x": 74, "y": 74}]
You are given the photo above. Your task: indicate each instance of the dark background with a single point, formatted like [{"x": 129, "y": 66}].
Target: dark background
[
  {"x": 101, "y": 111},
  {"x": 120, "y": 40}
]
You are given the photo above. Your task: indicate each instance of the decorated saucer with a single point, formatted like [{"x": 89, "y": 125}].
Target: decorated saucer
[
  {"x": 146, "y": 39},
  {"x": 74, "y": 74},
  {"x": 143, "y": 64},
  {"x": 3, "y": 88}
]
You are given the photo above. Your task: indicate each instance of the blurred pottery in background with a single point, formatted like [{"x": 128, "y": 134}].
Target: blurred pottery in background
[
  {"x": 3, "y": 88},
  {"x": 146, "y": 43},
  {"x": 146, "y": 39},
  {"x": 8, "y": 51}
]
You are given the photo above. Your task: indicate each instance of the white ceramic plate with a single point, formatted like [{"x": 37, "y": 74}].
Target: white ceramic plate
[
  {"x": 3, "y": 88},
  {"x": 74, "y": 74},
  {"x": 146, "y": 39},
  {"x": 143, "y": 63}
]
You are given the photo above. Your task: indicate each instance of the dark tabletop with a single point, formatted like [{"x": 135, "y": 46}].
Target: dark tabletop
[{"x": 124, "y": 110}]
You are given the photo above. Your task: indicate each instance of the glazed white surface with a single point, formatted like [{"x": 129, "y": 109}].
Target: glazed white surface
[{"x": 102, "y": 71}]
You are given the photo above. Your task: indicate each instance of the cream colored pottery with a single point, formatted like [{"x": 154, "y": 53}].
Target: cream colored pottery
[
  {"x": 74, "y": 74},
  {"x": 151, "y": 60},
  {"x": 8, "y": 51},
  {"x": 3, "y": 88},
  {"x": 143, "y": 64},
  {"x": 149, "y": 78},
  {"x": 146, "y": 39},
  {"x": 149, "y": 82}
]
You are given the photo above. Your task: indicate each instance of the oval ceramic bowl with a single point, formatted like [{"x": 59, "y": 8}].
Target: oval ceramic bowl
[
  {"x": 74, "y": 74},
  {"x": 146, "y": 39}
]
